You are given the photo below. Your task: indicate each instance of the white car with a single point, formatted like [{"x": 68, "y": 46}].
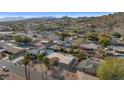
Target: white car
[{"x": 5, "y": 68}]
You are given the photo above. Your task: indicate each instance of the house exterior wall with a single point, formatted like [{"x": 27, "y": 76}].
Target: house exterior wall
[{"x": 67, "y": 66}]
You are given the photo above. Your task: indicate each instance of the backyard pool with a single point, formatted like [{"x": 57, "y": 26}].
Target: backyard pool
[
  {"x": 49, "y": 51},
  {"x": 119, "y": 56}
]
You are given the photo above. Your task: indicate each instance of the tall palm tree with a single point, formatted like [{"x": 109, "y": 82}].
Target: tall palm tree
[
  {"x": 48, "y": 66},
  {"x": 26, "y": 61},
  {"x": 45, "y": 65},
  {"x": 40, "y": 58}
]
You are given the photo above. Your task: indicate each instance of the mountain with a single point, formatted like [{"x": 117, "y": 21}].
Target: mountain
[
  {"x": 49, "y": 17},
  {"x": 5, "y": 19},
  {"x": 107, "y": 23}
]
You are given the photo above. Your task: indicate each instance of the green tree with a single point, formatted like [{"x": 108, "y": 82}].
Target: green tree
[
  {"x": 81, "y": 56},
  {"x": 76, "y": 51},
  {"x": 116, "y": 35},
  {"x": 111, "y": 69},
  {"x": 104, "y": 41},
  {"x": 22, "y": 39},
  {"x": 63, "y": 36},
  {"x": 92, "y": 36},
  {"x": 26, "y": 61},
  {"x": 26, "y": 40}
]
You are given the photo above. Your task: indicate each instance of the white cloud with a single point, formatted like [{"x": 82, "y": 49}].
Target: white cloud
[{"x": 61, "y": 5}]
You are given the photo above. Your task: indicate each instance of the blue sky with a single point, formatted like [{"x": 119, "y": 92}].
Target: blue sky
[{"x": 54, "y": 14}]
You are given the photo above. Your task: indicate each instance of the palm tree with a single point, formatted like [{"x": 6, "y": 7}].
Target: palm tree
[
  {"x": 47, "y": 65},
  {"x": 40, "y": 59},
  {"x": 26, "y": 61}
]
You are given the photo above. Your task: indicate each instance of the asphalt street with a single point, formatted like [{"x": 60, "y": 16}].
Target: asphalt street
[{"x": 19, "y": 70}]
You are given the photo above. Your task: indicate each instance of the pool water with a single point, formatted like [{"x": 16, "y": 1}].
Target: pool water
[
  {"x": 119, "y": 56},
  {"x": 49, "y": 51}
]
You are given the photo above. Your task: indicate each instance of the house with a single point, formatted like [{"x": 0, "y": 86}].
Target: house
[
  {"x": 57, "y": 42},
  {"x": 7, "y": 35},
  {"x": 117, "y": 49},
  {"x": 89, "y": 46},
  {"x": 29, "y": 35},
  {"x": 5, "y": 28},
  {"x": 2, "y": 50},
  {"x": 63, "y": 60},
  {"x": 89, "y": 66},
  {"x": 44, "y": 42},
  {"x": 67, "y": 44},
  {"x": 56, "y": 47},
  {"x": 5, "y": 45},
  {"x": 35, "y": 52},
  {"x": 15, "y": 51},
  {"x": 39, "y": 44}
]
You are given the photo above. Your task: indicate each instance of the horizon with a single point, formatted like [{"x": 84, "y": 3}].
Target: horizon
[{"x": 52, "y": 14}]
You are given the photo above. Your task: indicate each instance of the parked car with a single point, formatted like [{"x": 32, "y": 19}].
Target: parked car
[{"x": 5, "y": 68}]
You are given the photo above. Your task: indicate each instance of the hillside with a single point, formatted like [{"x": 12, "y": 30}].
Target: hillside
[{"x": 107, "y": 23}]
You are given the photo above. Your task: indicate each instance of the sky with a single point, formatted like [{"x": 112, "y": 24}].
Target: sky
[{"x": 54, "y": 14}]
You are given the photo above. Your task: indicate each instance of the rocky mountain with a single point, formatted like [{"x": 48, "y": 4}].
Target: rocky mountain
[
  {"x": 5, "y": 19},
  {"x": 106, "y": 23}
]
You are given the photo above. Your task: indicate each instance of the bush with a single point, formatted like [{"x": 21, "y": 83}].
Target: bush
[
  {"x": 22, "y": 39},
  {"x": 116, "y": 35},
  {"x": 104, "y": 41},
  {"x": 111, "y": 69},
  {"x": 92, "y": 36}
]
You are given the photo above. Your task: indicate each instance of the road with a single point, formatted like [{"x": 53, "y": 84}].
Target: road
[{"x": 19, "y": 70}]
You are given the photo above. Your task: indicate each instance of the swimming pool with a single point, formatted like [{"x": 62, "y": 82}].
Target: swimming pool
[
  {"x": 119, "y": 56},
  {"x": 49, "y": 51}
]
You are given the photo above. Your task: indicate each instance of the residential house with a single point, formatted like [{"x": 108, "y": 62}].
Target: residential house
[
  {"x": 89, "y": 46},
  {"x": 35, "y": 52},
  {"x": 5, "y": 45},
  {"x": 7, "y": 35},
  {"x": 39, "y": 44},
  {"x": 63, "y": 60},
  {"x": 56, "y": 47},
  {"x": 2, "y": 50},
  {"x": 15, "y": 52},
  {"x": 89, "y": 66},
  {"x": 116, "y": 49}
]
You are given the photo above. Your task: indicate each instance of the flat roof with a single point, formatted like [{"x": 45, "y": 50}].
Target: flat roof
[
  {"x": 10, "y": 32},
  {"x": 119, "y": 48},
  {"x": 36, "y": 51},
  {"x": 89, "y": 63},
  {"x": 63, "y": 58},
  {"x": 14, "y": 49},
  {"x": 90, "y": 45}
]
